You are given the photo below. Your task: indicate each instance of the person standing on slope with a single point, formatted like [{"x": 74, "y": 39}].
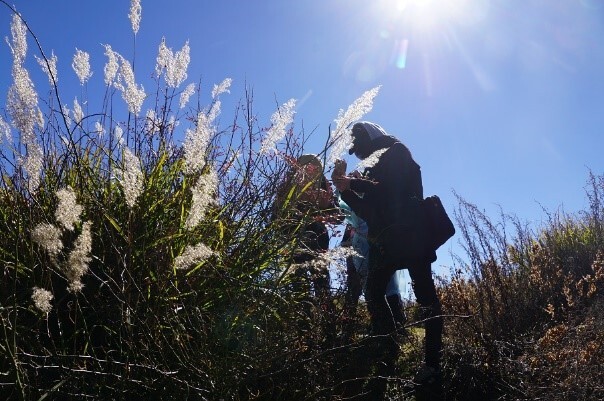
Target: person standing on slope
[{"x": 388, "y": 197}]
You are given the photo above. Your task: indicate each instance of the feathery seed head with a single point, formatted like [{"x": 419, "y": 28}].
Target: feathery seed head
[
  {"x": 196, "y": 143},
  {"x": 135, "y": 15},
  {"x": 66, "y": 113},
  {"x": 48, "y": 237},
  {"x": 22, "y": 100},
  {"x": 371, "y": 160},
  {"x": 185, "y": 95},
  {"x": 283, "y": 117},
  {"x": 68, "y": 211},
  {"x": 118, "y": 133},
  {"x": 221, "y": 88},
  {"x": 193, "y": 255},
  {"x": 175, "y": 64},
  {"x": 42, "y": 298},
  {"x": 341, "y": 140},
  {"x": 5, "y": 131},
  {"x": 172, "y": 123},
  {"x": 112, "y": 65},
  {"x": 50, "y": 68},
  {"x": 79, "y": 258},
  {"x": 99, "y": 129},
  {"x": 81, "y": 66},
  {"x": 22, "y": 103},
  {"x": 203, "y": 196},
  {"x": 337, "y": 256},
  {"x": 177, "y": 72},
  {"x": 32, "y": 164},
  {"x": 214, "y": 112},
  {"x": 18, "y": 45},
  {"x": 78, "y": 113},
  {"x": 132, "y": 177},
  {"x": 151, "y": 124},
  {"x": 164, "y": 55},
  {"x": 132, "y": 95}
]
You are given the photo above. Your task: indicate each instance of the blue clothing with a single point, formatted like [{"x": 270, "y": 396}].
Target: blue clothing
[{"x": 360, "y": 244}]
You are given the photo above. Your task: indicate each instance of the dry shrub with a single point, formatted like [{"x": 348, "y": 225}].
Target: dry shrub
[
  {"x": 565, "y": 363},
  {"x": 525, "y": 306}
]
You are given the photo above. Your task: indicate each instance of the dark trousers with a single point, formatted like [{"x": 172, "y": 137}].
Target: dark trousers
[{"x": 382, "y": 320}]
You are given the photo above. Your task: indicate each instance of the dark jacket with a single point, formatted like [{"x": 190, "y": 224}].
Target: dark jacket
[{"x": 388, "y": 198}]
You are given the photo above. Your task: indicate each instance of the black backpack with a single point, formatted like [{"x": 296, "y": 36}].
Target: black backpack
[{"x": 438, "y": 224}]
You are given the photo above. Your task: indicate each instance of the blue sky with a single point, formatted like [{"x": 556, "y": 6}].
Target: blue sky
[{"x": 499, "y": 100}]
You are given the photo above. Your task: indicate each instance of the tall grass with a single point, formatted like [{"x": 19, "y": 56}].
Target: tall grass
[{"x": 142, "y": 252}]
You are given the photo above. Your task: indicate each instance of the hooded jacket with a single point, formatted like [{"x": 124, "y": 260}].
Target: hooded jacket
[{"x": 389, "y": 196}]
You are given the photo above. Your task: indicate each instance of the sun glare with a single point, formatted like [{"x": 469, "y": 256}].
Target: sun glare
[{"x": 430, "y": 14}]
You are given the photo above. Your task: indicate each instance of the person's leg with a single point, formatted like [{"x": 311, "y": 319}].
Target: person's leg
[
  {"x": 425, "y": 293},
  {"x": 351, "y": 299},
  {"x": 378, "y": 277},
  {"x": 393, "y": 297},
  {"x": 383, "y": 346},
  {"x": 396, "y": 307}
]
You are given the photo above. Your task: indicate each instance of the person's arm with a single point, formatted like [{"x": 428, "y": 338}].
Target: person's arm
[
  {"x": 391, "y": 162},
  {"x": 392, "y": 171}
]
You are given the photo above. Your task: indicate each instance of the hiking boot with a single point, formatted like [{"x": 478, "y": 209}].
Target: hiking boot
[{"x": 427, "y": 376}]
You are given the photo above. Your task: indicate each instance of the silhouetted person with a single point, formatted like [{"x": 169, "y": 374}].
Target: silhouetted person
[{"x": 388, "y": 197}]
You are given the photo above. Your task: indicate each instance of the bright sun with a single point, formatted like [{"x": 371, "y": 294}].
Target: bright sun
[{"x": 429, "y": 14}]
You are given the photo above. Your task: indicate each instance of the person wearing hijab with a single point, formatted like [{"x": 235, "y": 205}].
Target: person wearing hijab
[{"x": 388, "y": 197}]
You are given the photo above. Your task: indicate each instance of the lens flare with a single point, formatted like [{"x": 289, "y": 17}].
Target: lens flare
[{"x": 401, "y": 58}]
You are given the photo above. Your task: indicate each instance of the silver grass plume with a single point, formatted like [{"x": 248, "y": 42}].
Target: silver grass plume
[
  {"x": 132, "y": 177},
  {"x": 135, "y": 15},
  {"x": 197, "y": 141},
  {"x": 193, "y": 254},
  {"x": 280, "y": 120},
  {"x": 81, "y": 66},
  {"x": 68, "y": 211},
  {"x": 112, "y": 65},
  {"x": 131, "y": 93},
  {"x": 174, "y": 64},
  {"x": 221, "y": 88},
  {"x": 49, "y": 69},
  {"x": 203, "y": 196},
  {"x": 41, "y": 299},
  {"x": 340, "y": 139},
  {"x": 5, "y": 131},
  {"x": 48, "y": 237},
  {"x": 185, "y": 95},
  {"x": 371, "y": 160},
  {"x": 22, "y": 105},
  {"x": 78, "y": 113},
  {"x": 79, "y": 258}
]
